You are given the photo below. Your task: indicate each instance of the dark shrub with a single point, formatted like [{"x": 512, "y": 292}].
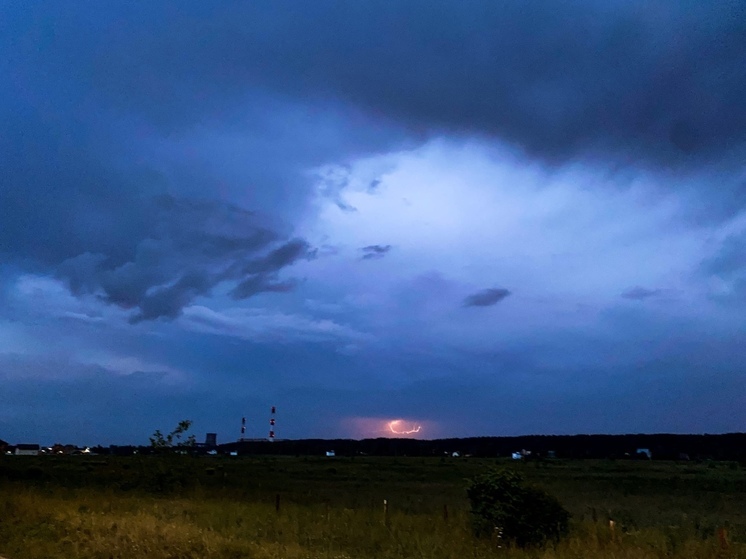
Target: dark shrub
[{"x": 503, "y": 505}]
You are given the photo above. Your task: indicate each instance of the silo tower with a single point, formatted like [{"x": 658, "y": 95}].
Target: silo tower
[{"x": 272, "y": 424}]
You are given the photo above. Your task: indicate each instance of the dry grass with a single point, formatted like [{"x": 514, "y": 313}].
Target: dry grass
[
  {"x": 86, "y": 524},
  {"x": 338, "y": 514}
]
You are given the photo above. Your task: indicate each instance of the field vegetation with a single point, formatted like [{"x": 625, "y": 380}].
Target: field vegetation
[{"x": 294, "y": 507}]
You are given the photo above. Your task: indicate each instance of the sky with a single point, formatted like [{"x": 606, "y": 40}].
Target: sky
[{"x": 424, "y": 218}]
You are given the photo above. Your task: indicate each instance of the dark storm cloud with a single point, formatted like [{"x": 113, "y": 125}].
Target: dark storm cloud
[
  {"x": 728, "y": 266},
  {"x": 258, "y": 284},
  {"x": 278, "y": 258},
  {"x": 66, "y": 210},
  {"x": 659, "y": 82},
  {"x": 194, "y": 246},
  {"x": 373, "y": 252},
  {"x": 638, "y": 293},
  {"x": 135, "y": 137},
  {"x": 48, "y": 399},
  {"x": 57, "y": 198},
  {"x": 486, "y": 297},
  {"x": 730, "y": 259},
  {"x": 260, "y": 274},
  {"x": 77, "y": 199}
]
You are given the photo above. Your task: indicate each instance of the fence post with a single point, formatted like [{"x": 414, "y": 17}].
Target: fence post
[
  {"x": 723, "y": 537},
  {"x": 445, "y": 513},
  {"x": 277, "y": 503},
  {"x": 386, "y": 512}
]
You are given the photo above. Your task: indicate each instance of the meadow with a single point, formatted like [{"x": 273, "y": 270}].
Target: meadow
[{"x": 307, "y": 507}]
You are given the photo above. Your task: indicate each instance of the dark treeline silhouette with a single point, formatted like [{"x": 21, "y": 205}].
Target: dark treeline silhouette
[{"x": 731, "y": 446}]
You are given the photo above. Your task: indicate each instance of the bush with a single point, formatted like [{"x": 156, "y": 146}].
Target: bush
[{"x": 503, "y": 505}]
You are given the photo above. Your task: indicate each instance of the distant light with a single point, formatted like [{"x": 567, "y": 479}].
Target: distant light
[{"x": 398, "y": 427}]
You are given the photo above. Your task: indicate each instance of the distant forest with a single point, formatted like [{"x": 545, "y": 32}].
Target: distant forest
[{"x": 731, "y": 446}]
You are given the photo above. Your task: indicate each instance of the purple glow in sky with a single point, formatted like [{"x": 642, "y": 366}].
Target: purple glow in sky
[
  {"x": 511, "y": 219},
  {"x": 377, "y": 427}
]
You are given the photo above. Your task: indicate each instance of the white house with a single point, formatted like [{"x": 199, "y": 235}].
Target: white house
[
  {"x": 27, "y": 450},
  {"x": 644, "y": 451}
]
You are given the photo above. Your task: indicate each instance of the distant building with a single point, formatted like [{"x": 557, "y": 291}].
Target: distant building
[
  {"x": 330, "y": 453},
  {"x": 65, "y": 449},
  {"x": 644, "y": 452},
  {"x": 27, "y": 450},
  {"x": 211, "y": 439}
]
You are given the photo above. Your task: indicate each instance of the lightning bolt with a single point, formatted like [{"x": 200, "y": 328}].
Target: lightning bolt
[{"x": 394, "y": 428}]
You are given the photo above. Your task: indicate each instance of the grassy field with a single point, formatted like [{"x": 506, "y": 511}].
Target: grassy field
[{"x": 184, "y": 507}]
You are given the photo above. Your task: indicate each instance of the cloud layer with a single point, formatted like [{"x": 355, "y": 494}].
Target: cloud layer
[
  {"x": 486, "y": 297},
  {"x": 657, "y": 82},
  {"x": 441, "y": 211}
]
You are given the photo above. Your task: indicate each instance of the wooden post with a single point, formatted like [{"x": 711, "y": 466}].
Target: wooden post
[
  {"x": 445, "y": 513},
  {"x": 277, "y": 503},
  {"x": 612, "y": 525},
  {"x": 723, "y": 537},
  {"x": 386, "y": 512}
]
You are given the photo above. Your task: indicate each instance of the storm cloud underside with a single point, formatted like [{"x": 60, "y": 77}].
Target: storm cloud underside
[{"x": 391, "y": 210}]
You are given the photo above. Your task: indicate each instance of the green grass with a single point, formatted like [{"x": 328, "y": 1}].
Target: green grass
[{"x": 184, "y": 507}]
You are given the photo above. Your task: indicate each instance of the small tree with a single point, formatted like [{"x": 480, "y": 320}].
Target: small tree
[
  {"x": 173, "y": 439},
  {"x": 503, "y": 504}
]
